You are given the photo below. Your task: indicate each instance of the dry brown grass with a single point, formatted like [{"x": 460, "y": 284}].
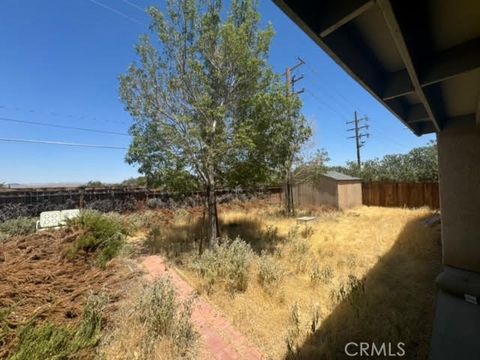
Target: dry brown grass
[
  {"x": 150, "y": 324},
  {"x": 386, "y": 255}
]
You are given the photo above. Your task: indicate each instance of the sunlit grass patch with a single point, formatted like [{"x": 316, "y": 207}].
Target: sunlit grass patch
[{"x": 340, "y": 268}]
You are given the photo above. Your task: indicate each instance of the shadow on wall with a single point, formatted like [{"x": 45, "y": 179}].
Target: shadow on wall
[{"x": 393, "y": 303}]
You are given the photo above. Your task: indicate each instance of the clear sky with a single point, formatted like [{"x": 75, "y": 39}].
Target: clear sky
[{"x": 60, "y": 63}]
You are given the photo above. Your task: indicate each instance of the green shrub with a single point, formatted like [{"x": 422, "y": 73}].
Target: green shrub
[
  {"x": 47, "y": 341},
  {"x": 157, "y": 307},
  {"x": 18, "y": 226},
  {"x": 88, "y": 334},
  {"x": 228, "y": 262},
  {"x": 5, "y": 327},
  {"x": 157, "y": 310},
  {"x": 270, "y": 272},
  {"x": 103, "y": 234},
  {"x": 50, "y": 341}
]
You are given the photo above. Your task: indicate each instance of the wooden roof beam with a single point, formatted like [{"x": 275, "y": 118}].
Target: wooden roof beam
[
  {"x": 402, "y": 48},
  {"x": 341, "y": 12},
  {"x": 447, "y": 64},
  {"x": 397, "y": 85},
  {"x": 452, "y": 62},
  {"x": 417, "y": 113},
  {"x": 477, "y": 112}
]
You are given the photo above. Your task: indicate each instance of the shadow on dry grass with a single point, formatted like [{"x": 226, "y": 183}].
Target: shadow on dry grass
[
  {"x": 188, "y": 235},
  {"x": 393, "y": 303}
]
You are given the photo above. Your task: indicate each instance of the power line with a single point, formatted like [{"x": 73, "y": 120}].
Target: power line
[
  {"x": 134, "y": 5},
  {"x": 331, "y": 87},
  {"x": 323, "y": 103},
  {"x": 57, "y": 114},
  {"x": 335, "y": 91},
  {"x": 62, "y": 126},
  {"x": 115, "y": 11},
  {"x": 48, "y": 142}
]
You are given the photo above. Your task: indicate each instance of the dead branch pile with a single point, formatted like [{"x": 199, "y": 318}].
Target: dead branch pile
[{"x": 38, "y": 281}]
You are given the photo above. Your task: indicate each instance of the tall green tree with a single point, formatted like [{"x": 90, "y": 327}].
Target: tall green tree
[
  {"x": 206, "y": 103},
  {"x": 418, "y": 165},
  {"x": 310, "y": 169}
]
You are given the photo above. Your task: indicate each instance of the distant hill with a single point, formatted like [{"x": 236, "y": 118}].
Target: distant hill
[{"x": 42, "y": 185}]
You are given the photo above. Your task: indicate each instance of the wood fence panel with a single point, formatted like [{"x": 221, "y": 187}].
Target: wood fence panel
[{"x": 401, "y": 194}]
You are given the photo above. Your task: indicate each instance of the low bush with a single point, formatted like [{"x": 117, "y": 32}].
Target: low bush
[
  {"x": 270, "y": 272},
  {"x": 293, "y": 332},
  {"x": 154, "y": 242},
  {"x": 5, "y": 327},
  {"x": 157, "y": 309},
  {"x": 352, "y": 290},
  {"x": 228, "y": 262},
  {"x": 323, "y": 275},
  {"x": 102, "y": 234},
  {"x": 18, "y": 226},
  {"x": 51, "y": 341},
  {"x": 307, "y": 232},
  {"x": 155, "y": 203}
]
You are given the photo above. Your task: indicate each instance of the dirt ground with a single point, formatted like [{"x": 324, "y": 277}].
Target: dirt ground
[{"x": 38, "y": 281}]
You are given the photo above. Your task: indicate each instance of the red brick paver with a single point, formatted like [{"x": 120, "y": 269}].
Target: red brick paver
[{"x": 219, "y": 339}]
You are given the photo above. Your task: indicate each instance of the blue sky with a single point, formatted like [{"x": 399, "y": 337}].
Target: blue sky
[{"x": 60, "y": 64}]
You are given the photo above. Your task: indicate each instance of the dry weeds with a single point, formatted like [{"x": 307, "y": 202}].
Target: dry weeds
[
  {"x": 373, "y": 271},
  {"x": 38, "y": 281}
]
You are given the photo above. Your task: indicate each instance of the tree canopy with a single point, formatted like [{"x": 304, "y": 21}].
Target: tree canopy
[
  {"x": 418, "y": 165},
  {"x": 208, "y": 109}
]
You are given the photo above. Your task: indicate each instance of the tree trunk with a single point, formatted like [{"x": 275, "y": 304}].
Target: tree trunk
[
  {"x": 214, "y": 231},
  {"x": 289, "y": 207}
]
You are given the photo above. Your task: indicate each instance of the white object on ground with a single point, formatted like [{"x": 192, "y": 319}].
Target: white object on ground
[
  {"x": 306, "y": 218},
  {"x": 55, "y": 219}
]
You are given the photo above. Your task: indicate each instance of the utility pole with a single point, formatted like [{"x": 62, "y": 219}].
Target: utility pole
[
  {"x": 359, "y": 134},
  {"x": 291, "y": 79}
]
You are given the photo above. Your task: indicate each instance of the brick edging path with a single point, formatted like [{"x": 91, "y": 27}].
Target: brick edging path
[{"x": 218, "y": 338}]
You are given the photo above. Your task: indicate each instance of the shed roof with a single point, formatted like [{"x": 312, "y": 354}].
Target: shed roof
[
  {"x": 421, "y": 59},
  {"x": 338, "y": 176}
]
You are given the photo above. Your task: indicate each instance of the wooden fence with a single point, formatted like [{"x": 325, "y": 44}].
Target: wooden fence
[{"x": 391, "y": 194}]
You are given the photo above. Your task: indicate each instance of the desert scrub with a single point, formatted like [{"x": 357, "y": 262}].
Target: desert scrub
[
  {"x": 270, "y": 272},
  {"x": 298, "y": 254},
  {"x": 51, "y": 341},
  {"x": 157, "y": 310},
  {"x": 227, "y": 262},
  {"x": 18, "y": 226},
  {"x": 321, "y": 274},
  {"x": 293, "y": 332},
  {"x": 103, "y": 234},
  {"x": 353, "y": 290},
  {"x": 155, "y": 241},
  {"x": 307, "y": 232}
]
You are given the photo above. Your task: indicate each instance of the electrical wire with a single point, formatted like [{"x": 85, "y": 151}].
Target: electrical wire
[
  {"x": 62, "y": 126},
  {"x": 57, "y": 114},
  {"x": 49, "y": 142},
  {"x": 115, "y": 11},
  {"x": 134, "y": 5}
]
